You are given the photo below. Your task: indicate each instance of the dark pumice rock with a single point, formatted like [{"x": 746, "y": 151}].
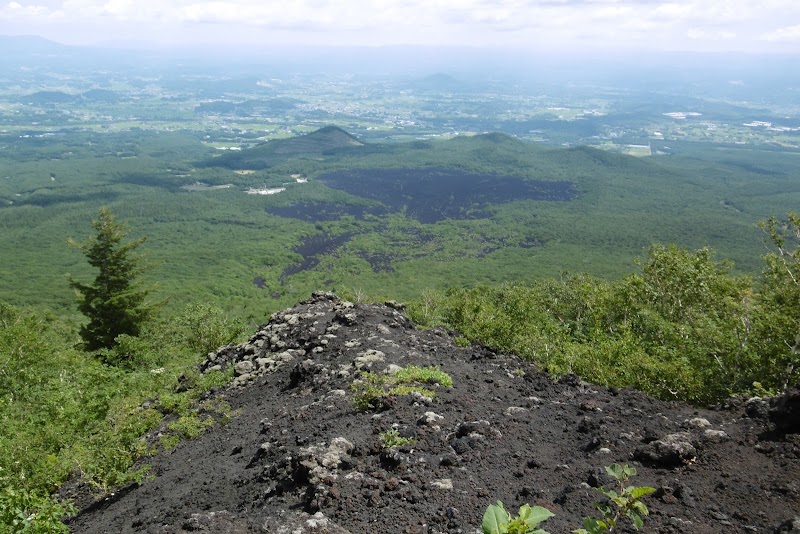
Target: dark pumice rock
[{"x": 785, "y": 411}]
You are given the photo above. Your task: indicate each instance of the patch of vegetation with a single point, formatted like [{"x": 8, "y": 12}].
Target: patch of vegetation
[
  {"x": 392, "y": 438},
  {"x": 424, "y": 375},
  {"x": 65, "y": 412},
  {"x": 496, "y": 520},
  {"x": 204, "y": 328},
  {"x": 684, "y": 326},
  {"x": 777, "y": 334},
  {"x": 461, "y": 341},
  {"x": 193, "y": 417},
  {"x": 371, "y": 390},
  {"x": 624, "y": 501},
  {"x": 25, "y": 511}
]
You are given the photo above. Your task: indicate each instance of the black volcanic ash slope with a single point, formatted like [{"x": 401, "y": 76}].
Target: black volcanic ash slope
[{"x": 300, "y": 458}]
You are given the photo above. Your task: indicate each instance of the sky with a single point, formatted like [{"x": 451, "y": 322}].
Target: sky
[{"x": 536, "y": 25}]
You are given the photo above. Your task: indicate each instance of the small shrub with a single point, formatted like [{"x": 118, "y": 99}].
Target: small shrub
[
  {"x": 169, "y": 441},
  {"x": 365, "y": 395},
  {"x": 405, "y": 389},
  {"x": 174, "y": 402},
  {"x": 191, "y": 425},
  {"x": 204, "y": 328},
  {"x": 461, "y": 341},
  {"x": 132, "y": 352},
  {"x": 625, "y": 500},
  {"x": 392, "y": 438},
  {"x": 496, "y": 520}
]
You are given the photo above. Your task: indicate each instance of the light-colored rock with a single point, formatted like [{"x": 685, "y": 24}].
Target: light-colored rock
[
  {"x": 241, "y": 380},
  {"x": 285, "y": 356},
  {"x": 392, "y": 369},
  {"x": 445, "y": 484},
  {"x": 294, "y": 522},
  {"x": 383, "y": 329},
  {"x": 670, "y": 451},
  {"x": 715, "y": 435},
  {"x": 264, "y": 362},
  {"x": 698, "y": 422},
  {"x": 338, "y": 448},
  {"x": 429, "y": 418},
  {"x": 368, "y": 358},
  {"x": 242, "y": 368}
]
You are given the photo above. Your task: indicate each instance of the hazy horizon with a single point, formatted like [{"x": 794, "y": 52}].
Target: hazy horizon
[{"x": 564, "y": 27}]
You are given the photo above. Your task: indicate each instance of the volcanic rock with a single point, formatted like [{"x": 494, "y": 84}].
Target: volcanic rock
[{"x": 299, "y": 456}]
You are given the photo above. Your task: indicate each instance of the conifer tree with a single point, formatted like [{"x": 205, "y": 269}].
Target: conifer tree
[{"x": 115, "y": 303}]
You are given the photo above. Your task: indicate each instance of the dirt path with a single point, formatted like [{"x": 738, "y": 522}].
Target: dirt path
[{"x": 300, "y": 458}]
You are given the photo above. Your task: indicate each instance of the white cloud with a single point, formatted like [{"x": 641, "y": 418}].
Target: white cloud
[
  {"x": 15, "y": 9},
  {"x": 117, "y": 7},
  {"x": 788, "y": 34},
  {"x": 731, "y": 24},
  {"x": 710, "y": 34},
  {"x": 675, "y": 10}
]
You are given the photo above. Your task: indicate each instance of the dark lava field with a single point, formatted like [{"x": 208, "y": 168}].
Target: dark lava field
[{"x": 431, "y": 195}]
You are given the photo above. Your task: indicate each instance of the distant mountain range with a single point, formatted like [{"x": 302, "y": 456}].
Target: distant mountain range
[{"x": 29, "y": 45}]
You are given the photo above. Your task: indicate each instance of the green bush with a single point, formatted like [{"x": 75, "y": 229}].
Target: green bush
[
  {"x": 64, "y": 413},
  {"x": 392, "y": 438},
  {"x": 204, "y": 328},
  {"x": 496, "y": 520},
  {"x": 25, "y": 511},
  {"x": 683, "y": 327},
  {"x": 776, "y": 323},
  {"x": 624, "y": 501}
]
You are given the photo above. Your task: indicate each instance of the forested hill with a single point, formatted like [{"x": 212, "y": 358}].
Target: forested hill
[{"x": 325, "y": 140}]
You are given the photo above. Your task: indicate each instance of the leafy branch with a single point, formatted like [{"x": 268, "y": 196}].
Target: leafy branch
[
  {"x": 496, "y": 520},
  {"x": 622, "y": 502}
]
